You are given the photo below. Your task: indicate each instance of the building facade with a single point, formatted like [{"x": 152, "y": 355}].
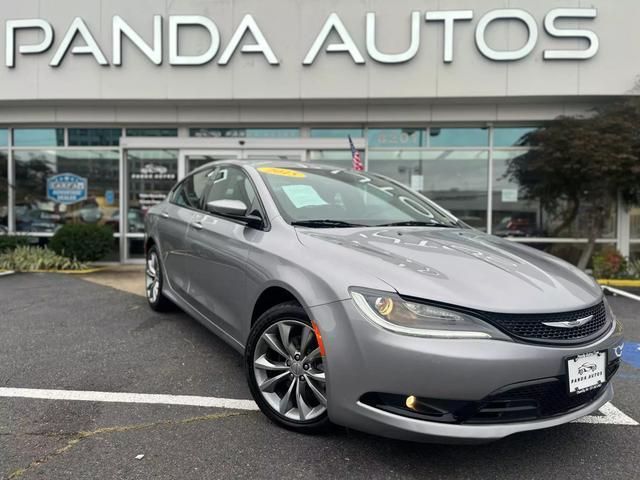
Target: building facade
[{"x": 104, "y": 105}]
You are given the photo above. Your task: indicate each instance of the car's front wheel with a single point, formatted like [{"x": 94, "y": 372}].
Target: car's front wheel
[
  {"x": 154, "y": 282},
  {"x": 286, "y": 371}
]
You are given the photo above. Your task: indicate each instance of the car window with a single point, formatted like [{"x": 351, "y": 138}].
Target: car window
[
  {"x": 189, "y": 192},
  {"x": 232, "y": 183},
  {"x": 355, "y": 198}
]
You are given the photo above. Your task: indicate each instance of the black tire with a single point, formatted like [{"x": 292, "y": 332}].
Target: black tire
[
  {"x": 284, "y": 311},
  {"x": 159, "y": 302}
]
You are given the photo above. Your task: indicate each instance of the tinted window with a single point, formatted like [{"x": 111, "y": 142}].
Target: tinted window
[
  {"x": 231, "y": 183},
  {"x": 189, "y": 193},
  {"x": 94, "y": 137}
]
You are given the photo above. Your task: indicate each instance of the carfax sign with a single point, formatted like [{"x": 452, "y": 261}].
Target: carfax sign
[{"x": 67, "y": 188}]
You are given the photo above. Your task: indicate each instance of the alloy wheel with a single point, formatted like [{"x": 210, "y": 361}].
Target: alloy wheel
[
  {"x": 289, "y": 370},
  {"x": 153, "y": 277}
]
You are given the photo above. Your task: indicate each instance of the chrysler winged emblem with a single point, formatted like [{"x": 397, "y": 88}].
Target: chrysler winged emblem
[{"x": 569, "y": 324}]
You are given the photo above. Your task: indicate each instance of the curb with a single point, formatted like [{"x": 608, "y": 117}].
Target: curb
[
  {"x": 6, "y": 272},
  {"x": 619, "y": 283},
  {"x": 65, "y": 272}
]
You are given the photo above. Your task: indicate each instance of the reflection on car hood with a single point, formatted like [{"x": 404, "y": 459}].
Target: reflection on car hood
[{"x": 461, "y": 267}]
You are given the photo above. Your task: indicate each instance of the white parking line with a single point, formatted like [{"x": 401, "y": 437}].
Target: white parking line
[
  {"x": 607, "y": 415},
  {"x": 610, "y": 416},
  {"x": 83, "y": 396}
]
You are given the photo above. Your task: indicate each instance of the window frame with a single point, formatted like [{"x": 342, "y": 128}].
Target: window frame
[
  {"x": 261, "y": 208},
  {"x": 180, "y": 184}
]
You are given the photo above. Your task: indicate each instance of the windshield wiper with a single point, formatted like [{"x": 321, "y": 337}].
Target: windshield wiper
[
  {"x": 416, "y": 223},
  {"x": 324, "y": 224}
]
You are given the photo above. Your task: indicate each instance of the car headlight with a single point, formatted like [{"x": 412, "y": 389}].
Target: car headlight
[{"x": 391, "y": 312}]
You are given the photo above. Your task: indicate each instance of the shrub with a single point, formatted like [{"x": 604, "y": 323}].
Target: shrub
[
  {"x": 27, "y": 259},
  {"x": 85, "y": 243},
  {"x": 10, "y": 242},
  {"x": 610, "y": 264}
]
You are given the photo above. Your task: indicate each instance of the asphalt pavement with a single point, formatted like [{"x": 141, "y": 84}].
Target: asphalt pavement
[{"x": 62, "y": 333}]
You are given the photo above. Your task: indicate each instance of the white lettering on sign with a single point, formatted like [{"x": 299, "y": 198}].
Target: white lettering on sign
[
  {"x": 78, "y": 27},
  {"x": 175, "y": 22},
  {"x": 405, "y": 56},
  {"x": 120, "y": 28},
  {"x": 332, "y": 24},
  {"x": 449, "y": 19},
  {"x": 79, "y": 33}
]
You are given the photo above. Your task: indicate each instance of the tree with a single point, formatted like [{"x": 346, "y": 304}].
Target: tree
[{"x": 580, "y": 165}]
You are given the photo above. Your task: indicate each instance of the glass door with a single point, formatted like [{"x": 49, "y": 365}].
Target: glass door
[
  {"x": 275, "y": 155},
  {"x": 192, "y": 159}
]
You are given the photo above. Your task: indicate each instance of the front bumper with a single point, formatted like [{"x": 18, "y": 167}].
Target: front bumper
[{"x": 363, "y": 358}]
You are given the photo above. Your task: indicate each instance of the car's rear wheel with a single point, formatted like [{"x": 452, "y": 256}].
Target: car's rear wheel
[
  {"x": 286, "y": 370},
  {"x": 154, "y": 282}
]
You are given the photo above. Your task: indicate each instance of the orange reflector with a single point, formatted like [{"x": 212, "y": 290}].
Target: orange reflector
[{"x": 316, "y": 330}]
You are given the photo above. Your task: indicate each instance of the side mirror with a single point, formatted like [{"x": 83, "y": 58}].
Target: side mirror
[
  {"x": 231, "y": 208},
  {"x": 235, "y": 209}
]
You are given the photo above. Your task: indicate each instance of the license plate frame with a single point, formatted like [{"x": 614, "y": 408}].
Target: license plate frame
[{"x": 586, "y": 371}]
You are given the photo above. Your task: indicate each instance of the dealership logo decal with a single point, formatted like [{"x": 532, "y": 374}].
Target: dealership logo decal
[
  {"x": 79, "y": 39},
  {"x": 67, "y": 188}
]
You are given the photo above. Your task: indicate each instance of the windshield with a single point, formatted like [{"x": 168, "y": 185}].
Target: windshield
[{"x": 322, "y": 198}]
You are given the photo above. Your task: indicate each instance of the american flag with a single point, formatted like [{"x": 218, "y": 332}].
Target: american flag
[{"x": 357, "y": 161}]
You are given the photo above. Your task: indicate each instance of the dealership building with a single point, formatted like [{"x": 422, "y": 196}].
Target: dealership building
[{"x": 104, "y": 105}]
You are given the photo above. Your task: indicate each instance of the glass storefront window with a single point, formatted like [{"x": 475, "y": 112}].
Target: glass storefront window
[
  {"x": 4, "y": 192},
  {"x": 338, "y": 158},
  {"x": 515, "y": 215},
  {"x": 458, "y": 137},
  {"x": 4, "y": 137},
  {"x": 38, "y": 137},
  {"x": 456, "y": 180},
  {"x": 510, "y": 137},
  {"x": 634, "y": 215},
  {"x": 55, "y": 187},
  {"x": 94, "y": 137},
  {"x": 152, "y": 173},
  {"x": 152, "y": 132},
  {"x": 397, "y": 137},
  {"x": 245, "y": 132},
  {"x": 336, "y": 132}
]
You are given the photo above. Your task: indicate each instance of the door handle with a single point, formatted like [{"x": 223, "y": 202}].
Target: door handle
[
  {"x": 197, "y": 225},
  {"x": 164, "y": 215}
]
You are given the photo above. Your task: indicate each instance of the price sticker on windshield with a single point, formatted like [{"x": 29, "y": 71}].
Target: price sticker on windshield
[{"x": 283, "y": 172}]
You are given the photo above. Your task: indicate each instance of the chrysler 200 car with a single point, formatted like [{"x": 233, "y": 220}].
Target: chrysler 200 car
[{"x": 357, "y": 301}]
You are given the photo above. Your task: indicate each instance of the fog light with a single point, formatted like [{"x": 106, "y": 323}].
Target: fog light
[{"x": 411, "y": 402}]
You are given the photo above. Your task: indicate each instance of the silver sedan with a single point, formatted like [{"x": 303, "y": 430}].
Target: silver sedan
[{"x": 359, "y": 302}]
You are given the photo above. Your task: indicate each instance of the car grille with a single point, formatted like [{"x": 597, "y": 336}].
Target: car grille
[
  {"x": 530, "y": 327},
  {"x": 531, "y": 402}
]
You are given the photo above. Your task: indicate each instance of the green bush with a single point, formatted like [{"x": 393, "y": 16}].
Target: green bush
[
  {"x": 85, "y": 243},
  {"x": 610, "y": 264},
  {"x": 27, "y": 259},
  {"x": 10, "y": 242}
]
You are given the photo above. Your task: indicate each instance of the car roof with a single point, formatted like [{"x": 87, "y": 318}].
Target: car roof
[{"x": 257, "y": 163}]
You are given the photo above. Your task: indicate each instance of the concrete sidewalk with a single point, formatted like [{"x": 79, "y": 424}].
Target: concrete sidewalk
[{"x": 127, "y": 278}]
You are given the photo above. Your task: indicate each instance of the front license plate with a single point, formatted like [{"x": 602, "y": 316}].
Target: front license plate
[{"x": 586, "y": 371}]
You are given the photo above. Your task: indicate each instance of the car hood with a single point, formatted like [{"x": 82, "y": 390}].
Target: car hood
[{"x": 457, "y": 266}]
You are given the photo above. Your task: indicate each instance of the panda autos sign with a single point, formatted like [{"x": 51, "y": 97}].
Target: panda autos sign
[
  {"x": 333, "y": 28},
  {"x": 67, "y": 188}
]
